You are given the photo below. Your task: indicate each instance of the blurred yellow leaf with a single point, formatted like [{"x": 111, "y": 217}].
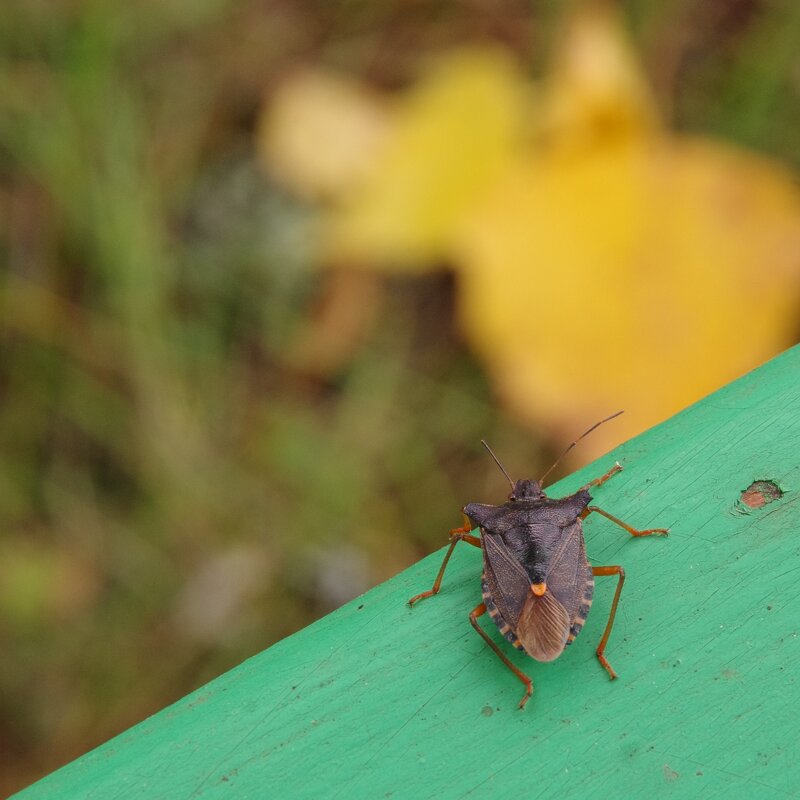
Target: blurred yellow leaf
[
  {"x": 642, "y": 277},
  {"x": 320, "y": 133},
  {"x": 603, "y": 262},
  {"x": 595, "y": 91},
  {"x": 452, "y": 136},
  {"x": 637, "y": 270}
]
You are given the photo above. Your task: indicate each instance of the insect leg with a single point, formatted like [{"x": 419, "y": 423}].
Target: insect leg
[
  {"x": 456, "y": 535},
  {"x": 473, "y": 618},
  {"x": 631, "y": 531},
  {"x": 603, "y": 478},
  {"x": 606, "y": 571}
]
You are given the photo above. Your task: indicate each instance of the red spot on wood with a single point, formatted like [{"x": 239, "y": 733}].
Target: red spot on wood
[{"x": 759, "y": 493}]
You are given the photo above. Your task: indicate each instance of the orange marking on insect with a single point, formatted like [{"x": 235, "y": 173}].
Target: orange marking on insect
[{"x": 539, "y": 588}]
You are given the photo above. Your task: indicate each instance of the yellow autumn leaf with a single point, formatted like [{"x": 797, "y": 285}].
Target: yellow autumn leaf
[
  {"x": 603, "y": 262},
  {"x": 320, "y": 133},
  {"x": 452, "y": 135},
  {"x": 637, "y": 270},
  {"x": 595, "y": 91}
]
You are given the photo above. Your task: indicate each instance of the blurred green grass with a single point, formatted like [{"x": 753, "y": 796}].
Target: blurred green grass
[{"x": 177, "y": 491}]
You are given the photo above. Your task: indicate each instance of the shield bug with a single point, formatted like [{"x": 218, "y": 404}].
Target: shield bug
[{"x": 537, "y": 583}]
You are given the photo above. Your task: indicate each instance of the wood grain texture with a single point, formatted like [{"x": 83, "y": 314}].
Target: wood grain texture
[{"x": 379, "y": 700}]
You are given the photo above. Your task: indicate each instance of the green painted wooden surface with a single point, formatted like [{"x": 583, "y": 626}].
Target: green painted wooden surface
[{"x": 379, "y": 700}]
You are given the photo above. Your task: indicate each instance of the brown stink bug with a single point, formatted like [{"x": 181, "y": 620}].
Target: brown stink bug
[{"x": 537, "y": 584}]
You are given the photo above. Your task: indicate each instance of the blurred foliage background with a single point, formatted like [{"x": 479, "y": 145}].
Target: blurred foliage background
[{"x": 270, "y": 269}]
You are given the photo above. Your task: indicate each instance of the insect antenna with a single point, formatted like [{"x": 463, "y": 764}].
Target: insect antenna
[
  {"x": 497, "y": 461},
  {"x": 572, "y": 444}
]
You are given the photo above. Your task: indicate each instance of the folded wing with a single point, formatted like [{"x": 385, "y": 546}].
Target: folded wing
[
  {"x": 543, "y": 626},
  {"x": 508, "y": 582}
]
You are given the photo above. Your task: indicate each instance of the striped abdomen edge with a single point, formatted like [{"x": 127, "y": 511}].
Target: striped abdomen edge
[
  {"x": 498, "y": 620},
  {"x": 583, "y": 610}
]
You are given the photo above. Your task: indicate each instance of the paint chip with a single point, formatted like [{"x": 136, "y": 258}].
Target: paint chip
[{"x": 759, "y": 493}]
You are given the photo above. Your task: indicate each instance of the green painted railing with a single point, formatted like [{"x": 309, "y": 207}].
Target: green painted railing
[{"x": 379, "y": 700}]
